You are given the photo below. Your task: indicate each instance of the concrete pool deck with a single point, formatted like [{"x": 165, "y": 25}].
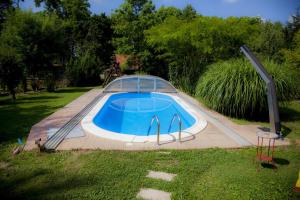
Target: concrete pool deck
[{"x": 220, "y": 132}]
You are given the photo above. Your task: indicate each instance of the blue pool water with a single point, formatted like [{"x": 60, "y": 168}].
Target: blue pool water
[{"x": 131, "y": 113}]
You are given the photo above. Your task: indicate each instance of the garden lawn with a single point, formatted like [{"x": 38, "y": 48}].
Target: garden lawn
[
  {"x": 17, "y": 118},
  {"x": 201, "y": 174}
]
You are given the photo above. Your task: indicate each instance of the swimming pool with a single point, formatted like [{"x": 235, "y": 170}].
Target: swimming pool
[
  {"x": 131, "y": 113},
  {"x": 127, "y": 117}
]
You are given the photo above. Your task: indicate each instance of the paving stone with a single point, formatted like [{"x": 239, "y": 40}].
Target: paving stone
[
  {"x": 164, "y": 152},
  {"x": 152, "y": 194},
  {"x": 161, "y": 175}
]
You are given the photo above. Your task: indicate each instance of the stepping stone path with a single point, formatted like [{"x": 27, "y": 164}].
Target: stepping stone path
[
  {"x": 161, "y": 175},
  {"x": 153, "y": 194},
  {"x": 164, "y": 152}
]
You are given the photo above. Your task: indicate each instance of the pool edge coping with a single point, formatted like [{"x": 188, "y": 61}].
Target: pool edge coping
[
  {"x": 88, "y": 125},
  {"x": 216, "y": 122}
]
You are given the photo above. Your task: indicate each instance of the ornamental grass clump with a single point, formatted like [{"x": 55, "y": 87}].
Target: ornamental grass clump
[{"x": 235, "y": 89}]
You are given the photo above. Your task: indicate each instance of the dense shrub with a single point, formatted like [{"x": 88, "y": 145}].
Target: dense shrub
[
  {"x": 50, "y": 82},
  {"x": 234, "y": 88},
  {"x": 84, "y": 70}
]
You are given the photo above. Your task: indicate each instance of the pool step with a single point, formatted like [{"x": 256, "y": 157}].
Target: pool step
[{"x": 52, "y": 143}]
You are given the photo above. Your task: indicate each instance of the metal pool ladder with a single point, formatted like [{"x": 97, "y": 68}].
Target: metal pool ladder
[
  {"x": 158, "y": 126},
  {"x": 179, "y": 123}
]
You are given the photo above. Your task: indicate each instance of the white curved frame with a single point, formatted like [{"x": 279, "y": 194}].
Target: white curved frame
[{"x": 89, "y": 126}]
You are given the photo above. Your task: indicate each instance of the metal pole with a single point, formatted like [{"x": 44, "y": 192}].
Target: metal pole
[
  {"x": 179, "y": 124},
  {"x": 158, "y": 127},
  {"x": 271, "y": 92},
  {"x": 179, "y": 129},
  {"x": 158, "y": 130}
]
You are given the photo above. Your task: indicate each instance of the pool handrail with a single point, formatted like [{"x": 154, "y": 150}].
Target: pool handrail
[
  {"x": 158, "y": 126},
  {"x": 179, "y": 123}
]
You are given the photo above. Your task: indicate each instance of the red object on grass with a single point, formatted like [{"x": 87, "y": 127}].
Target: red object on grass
[{"x": 261, "y": 155}]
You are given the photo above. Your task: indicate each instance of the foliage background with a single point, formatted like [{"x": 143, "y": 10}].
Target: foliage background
[{"x": 179, "y": 45}]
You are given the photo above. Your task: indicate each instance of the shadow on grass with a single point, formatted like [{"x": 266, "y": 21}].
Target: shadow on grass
[
  {"x": 72, "y": 90},
  {"x": 37, "y": 98},
  {"x": 268, "y": 166},
  {"x": 281, "y": 161},
  {"x": 18, "y": 117},
  {"x": 6, "y": 185},
  {"x": 17, "y": 121},
  {"x": 289, "y": 114},
  {"x": 53, "y": 187},
  {"x": 276, "y": 161},
  {"x": 285, "y": 130},
  {"x": 29, "y": 100}
]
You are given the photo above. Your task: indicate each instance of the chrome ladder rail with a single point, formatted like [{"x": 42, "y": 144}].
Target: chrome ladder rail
[
  {"x": 158, "y": 127},
  {"x": 179, "y": 122}
]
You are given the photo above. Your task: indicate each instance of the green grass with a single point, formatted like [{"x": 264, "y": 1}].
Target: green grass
[
  {"x": 17, "y": 118},
  {"x": 202, "y": 174}
]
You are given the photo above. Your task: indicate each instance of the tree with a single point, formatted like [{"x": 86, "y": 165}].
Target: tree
[
  {"x": 95, "y": 53},
  {"x": 5, "y": 7},
  {"x": 39, "y": 38},
  {"x": 129, "y": 23},
  {"x": 99, "y": 37},
  {"x": 292, "y": 55},
  {"x": 11, "y": 68},
  {"x": 188, "y": 47},
  {"x": 189, "y": 13},
  {"x": 51, "y": 6},
  {"x": 75, "y": 14},
  {"x": 89, "y": 40},
  {"x": 164, "y": 12},
  {"x": 292, "y": 27},
  {"x": 270, "y": 40}
]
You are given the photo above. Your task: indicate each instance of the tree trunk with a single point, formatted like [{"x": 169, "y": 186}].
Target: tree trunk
[
  {"x": 13, "y": 94},
  {"x": 24, "y": 84}
]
